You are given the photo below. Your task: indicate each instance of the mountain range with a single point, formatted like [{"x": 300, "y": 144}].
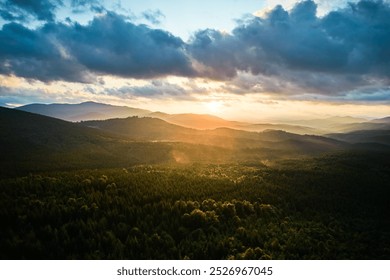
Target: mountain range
[
  {"x": 31, "y": 141},
  {"x": 97, "y": 111},
  {"x": 83, "y": 111},
  {"x": 88, "y": 111}
]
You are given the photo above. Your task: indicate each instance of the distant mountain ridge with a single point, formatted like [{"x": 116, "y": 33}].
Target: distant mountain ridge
[
  {"x": 83, "y": 111},
  {"x": 30, "y": 141},
  {"x": 330, "y": 123},
  {"x": 364, "y": 136},
  {"x": 89, "y": 111}
]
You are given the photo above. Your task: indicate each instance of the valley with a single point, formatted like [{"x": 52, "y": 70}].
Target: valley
[{"x": 119, "y": 188}]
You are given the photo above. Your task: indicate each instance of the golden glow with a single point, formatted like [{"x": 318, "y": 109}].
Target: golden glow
[
  {"x": 202, "y": 97},
  {"x": 214, "y": 106},
  {"x": 10, "y": 81}
]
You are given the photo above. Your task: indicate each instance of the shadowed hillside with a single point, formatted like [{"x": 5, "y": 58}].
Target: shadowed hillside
[
  {"x": 364, "y": 136},
  {"x": 34, "y": 142},
  {"x": 279, "y": 142}
]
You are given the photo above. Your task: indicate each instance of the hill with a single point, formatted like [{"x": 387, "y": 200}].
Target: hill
[
  {"x": 31, "y": 142},
  {"x": 268, "y": 143},
  {"x": 202, "y": 121},
  {"x": 364, "y": 136},
  {"x": 344, "y": 124},
  {"x": 328, "y": 125},
  {"x": 97, "y": 111},
  {"x": 142, "y": 129},
  {"x": 198, "y": 121},
  {"x": 296, "y": 129},
  {"x": 83, "y": 111},
  {"x": 382, "y": 120}
]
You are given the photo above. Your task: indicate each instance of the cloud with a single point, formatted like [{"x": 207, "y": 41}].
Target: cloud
[
  {"x": 109, "y": 44},
  {"x": 156, "y": 89},
  {"x": 284, "y": 52},
  {"x": 19, "y": 10},
  {"x": 44, "y": 10},
  {"x": 154, "y": 16},
  {"x": 79, "y": 6},
  {"x": 9, "y": 95},
  {"x": 373, "y": 95},
  {"x": 298, "y": 50},
  {"x": 84, "y": 3},
  {"x": 34, "y": 54}
]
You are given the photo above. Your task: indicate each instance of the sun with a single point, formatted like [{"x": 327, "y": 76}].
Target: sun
[{"x": 214, "y": 106}]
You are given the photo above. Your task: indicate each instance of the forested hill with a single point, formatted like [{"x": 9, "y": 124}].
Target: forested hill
[
  {"x": 142, "y": 129},
  {"x": 152, "y": 129},
  {"x": 35, "y": 131},
  {"x": 31, "y": 142}
]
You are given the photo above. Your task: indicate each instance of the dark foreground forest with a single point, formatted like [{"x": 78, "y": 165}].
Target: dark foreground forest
[{"x": 327, "y": 207}]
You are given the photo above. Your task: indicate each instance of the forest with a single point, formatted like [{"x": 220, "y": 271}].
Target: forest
[
  {"x": 142, "y": 188},
  {"x": 332, "y": 206}
]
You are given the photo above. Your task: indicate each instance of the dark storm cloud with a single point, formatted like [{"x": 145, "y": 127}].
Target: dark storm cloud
[
  {"x": 337, "y": 52},
  {"x": 107, "y": 45},
  {"x": 11, "y": 16},
  {"x": 20, "y": 9},
  {"x": 111, "y": 45},
  {"x": 34, "y": 54}
]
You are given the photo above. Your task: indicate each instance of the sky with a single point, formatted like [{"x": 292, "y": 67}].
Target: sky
[{"x": 239, "y": 59}]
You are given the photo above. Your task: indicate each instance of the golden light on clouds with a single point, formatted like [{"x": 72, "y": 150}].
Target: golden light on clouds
[
  {"x": 10, "y": 81},
  {"x": 201, "y": 96}
]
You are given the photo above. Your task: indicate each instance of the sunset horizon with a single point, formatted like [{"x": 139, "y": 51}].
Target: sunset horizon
[
  {"x": 195, "y": 130},
  {"x": 253, "y": 61}
]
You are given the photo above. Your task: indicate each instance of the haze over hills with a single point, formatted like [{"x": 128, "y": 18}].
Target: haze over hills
[
  {"x": 198, "y": 121},
  {"x": 151, "y": 129},
  {"x": 83, "y": 111},
  {"x": 30, "y": 141},
  {"x": 29, "y": 138},
  {"x": 98, "y": 111},
  {"x": 382, "y": 120},
  {"x": 205, "y": 121},
  {"x": 328, "y": 124},
  {"x": 364, "y": 136},
  {"x": 344, "y": 124}
]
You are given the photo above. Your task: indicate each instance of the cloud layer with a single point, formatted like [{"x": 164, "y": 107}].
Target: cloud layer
[
  {"x": 20, "y": 10},
  {"x": 283, "y": 51},
  {"x": 345, "y": 49},
  {"x": 109, "y": 44}
]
